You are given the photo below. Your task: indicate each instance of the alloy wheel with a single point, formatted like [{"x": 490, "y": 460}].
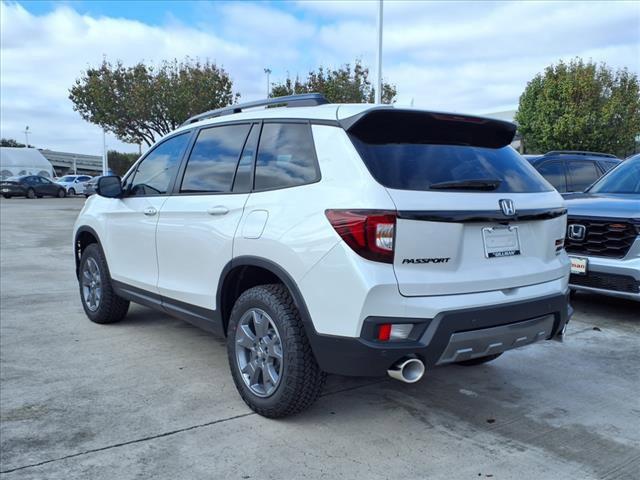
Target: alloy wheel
[
  {"x": 259, "y": 352},
  {"x": 91, "y": 284}
]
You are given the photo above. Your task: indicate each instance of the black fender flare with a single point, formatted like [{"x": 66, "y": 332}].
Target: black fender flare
[
  {"x": 283, "y": 276},
  {"x": 80, "y": 231}
]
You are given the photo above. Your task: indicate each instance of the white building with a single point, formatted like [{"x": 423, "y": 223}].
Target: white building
[{"x": 23, "y": 161}]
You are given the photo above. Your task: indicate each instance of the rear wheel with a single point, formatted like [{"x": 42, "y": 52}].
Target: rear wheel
[
  {"x": 479, "y": 360},
  {"x": 31, "y": 193},
  {"x": 6, "y": 196},
  {"x": 62, "y": 193},
  {"x": 99, "y": 301},
  {"x": 271, "y": 360}
]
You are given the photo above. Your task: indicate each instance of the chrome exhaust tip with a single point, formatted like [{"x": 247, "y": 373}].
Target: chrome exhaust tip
[{"x": 408, "y": 370}]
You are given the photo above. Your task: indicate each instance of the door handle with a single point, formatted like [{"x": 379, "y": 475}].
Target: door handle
[
  {"x": 150, "y": 211},
  {"x": 218, "y": 210}
]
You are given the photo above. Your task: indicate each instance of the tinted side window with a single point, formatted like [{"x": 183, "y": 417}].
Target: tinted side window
[
  {"x": 553, "y": 172},
  {"x": 582, "y": 174},
  {"x": 155, "y": 172},
  {"x": 213, "y": 160},
  {"x": 606, "y": 166},
  {"x": 286, "y": 156},
  {"x": 243, "y": 181}
]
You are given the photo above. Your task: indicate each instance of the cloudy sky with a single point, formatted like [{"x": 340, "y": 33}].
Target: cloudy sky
[{"x": 471, "y": 57}]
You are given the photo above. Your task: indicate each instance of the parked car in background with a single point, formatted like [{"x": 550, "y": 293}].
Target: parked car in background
[
  {"x": 90, "y": 186},
  {"x": 74, "y": 184},
  {"x": 31, "y": 186},
  {"x": 572, "y": 171},
  {"x": 603, "y": 234}
]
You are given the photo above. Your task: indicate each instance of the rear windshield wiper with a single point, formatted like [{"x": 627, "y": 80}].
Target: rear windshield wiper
[{"x": 488, "y": 185}]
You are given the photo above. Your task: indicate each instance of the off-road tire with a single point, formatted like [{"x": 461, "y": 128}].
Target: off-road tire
[
  {"x": 111, "y": 308},
  {"x": 301, "y": 380},
  {"x": 479, "y": 361}
]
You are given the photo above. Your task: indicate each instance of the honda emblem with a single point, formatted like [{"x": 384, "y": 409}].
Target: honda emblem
[
  {"x": 576, "y": 232},
  {"x": 507, "y": 207}
]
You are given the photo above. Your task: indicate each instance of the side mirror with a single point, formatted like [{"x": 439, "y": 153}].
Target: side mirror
[{"x": 110, "y": 187}]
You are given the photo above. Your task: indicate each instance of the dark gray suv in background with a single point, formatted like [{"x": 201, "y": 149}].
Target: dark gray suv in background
[
  {"x": 603, "y": 234},
  {"x": 572, "y": 171}
]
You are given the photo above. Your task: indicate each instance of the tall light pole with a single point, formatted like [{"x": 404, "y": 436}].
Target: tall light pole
[
  {"x": 379, "y": 82},
  {"x": 26, "y": 135},
  {"x": 105, "y": 160},
  {"x": 268, "y": 72}
]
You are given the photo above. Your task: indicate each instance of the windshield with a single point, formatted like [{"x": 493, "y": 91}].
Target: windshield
[
  {"x": 624, "y": 179},
  {"x": 67, "y": 178}
]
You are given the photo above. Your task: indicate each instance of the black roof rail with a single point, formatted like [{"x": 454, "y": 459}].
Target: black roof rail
[
  {"x": 579, "y": 152},
  {"x": 304, "y": 100}
]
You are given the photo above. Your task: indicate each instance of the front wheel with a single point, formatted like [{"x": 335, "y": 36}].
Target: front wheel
[
  {"x": 99, "y": 301},
  {"x": 6, "y": 196},
  {"x": 62, "y": 193},
  {"x": 72, "y": 192},
  {"x": 270, "y": 358},
  {"x": 479, "y": 361}
]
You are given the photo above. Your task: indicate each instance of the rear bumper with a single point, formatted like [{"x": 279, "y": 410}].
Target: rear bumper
[
  {"x": 12, "y": 191},
  {"x": 610, "y": 276},
  {"x": 450, "y": 336}
]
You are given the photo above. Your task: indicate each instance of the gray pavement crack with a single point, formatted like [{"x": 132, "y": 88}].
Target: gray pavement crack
[
  {"x": 164, "y": 434},
  {"x": 130, "y": 442}
]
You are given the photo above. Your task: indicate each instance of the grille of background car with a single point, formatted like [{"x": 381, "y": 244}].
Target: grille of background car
[
  {"x": 607, "y": 281},
  {"x": 604, "y": 237}
]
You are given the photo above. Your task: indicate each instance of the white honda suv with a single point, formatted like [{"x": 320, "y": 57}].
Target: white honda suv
[{"x": 319, "y": 238}]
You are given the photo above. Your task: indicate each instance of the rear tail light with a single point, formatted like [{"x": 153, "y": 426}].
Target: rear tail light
[{"x": 370, "y": 233}]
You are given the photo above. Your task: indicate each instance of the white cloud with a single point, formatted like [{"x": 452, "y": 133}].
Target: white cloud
[{"x": 456, "y": 56}]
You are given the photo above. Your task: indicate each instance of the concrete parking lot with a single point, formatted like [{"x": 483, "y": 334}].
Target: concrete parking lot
[{"x": 151, "y": 397}]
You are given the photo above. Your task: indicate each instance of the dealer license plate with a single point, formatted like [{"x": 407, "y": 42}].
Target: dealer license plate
[
  {"x": 501, "y": 241},
  {"x": 579, "y": 265}
]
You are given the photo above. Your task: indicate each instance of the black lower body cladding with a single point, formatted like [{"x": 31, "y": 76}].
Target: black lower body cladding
[{"x": 430, "y": 338}]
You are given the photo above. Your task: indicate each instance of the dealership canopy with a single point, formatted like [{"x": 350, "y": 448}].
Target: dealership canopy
[{"x": 23, "y": 161}]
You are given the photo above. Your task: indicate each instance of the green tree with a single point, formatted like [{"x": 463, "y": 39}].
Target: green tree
[
  {"x": 580, "y": 106},
  {"x": 344, "y": 85},
  {"x": 142, "y": 103},
  {"x": 10, "y": 142},
  {"x": 120, "y": 162}
]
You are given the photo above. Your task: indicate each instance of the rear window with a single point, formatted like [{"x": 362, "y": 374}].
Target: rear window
[{"x": 418, "y": 166}]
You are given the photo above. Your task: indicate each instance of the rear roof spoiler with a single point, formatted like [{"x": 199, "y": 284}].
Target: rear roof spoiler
[{"x": 394, "y": 125}]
